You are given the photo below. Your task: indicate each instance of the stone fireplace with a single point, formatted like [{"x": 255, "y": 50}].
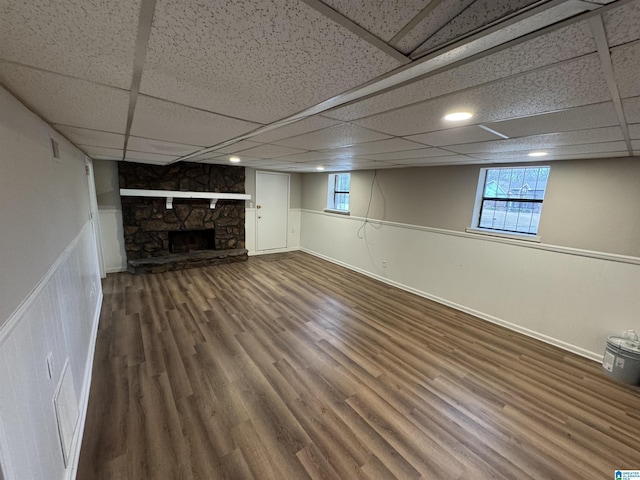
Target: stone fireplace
[{"x": 189, "y": 233}]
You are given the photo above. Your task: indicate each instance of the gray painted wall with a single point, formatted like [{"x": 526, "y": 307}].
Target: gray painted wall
[
  {"x": 590, "y": 204},
  {"x": 43, "y": 204}
]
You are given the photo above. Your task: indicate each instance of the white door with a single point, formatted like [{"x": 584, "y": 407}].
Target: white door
[{"x": 272, "y": 210}]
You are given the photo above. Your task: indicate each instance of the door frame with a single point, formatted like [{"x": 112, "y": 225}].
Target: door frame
[
  {"x": 286, "y": 247},
  {"x": 94, "y": 214}
]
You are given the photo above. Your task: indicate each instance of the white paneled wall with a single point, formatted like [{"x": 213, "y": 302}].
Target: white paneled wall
[
  {"x": 293, "y": 233},
  {"x": 571, "y": 298},
  {"x": 115, "y": 257},
  {"x": 58, "y": 319}
]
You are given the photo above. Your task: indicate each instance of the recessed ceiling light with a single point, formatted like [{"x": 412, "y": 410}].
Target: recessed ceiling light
[
  {"x": 234, "y": 159},
  {"x": 537, "y": 154},
  {"x": 458, "y": 116},
  {"x": 320, "y": 168}
]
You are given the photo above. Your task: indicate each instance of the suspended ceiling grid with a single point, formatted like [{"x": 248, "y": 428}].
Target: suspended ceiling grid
[{"x": 292, "y": 85}]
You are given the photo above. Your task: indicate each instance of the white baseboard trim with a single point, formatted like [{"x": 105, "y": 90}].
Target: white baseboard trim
[
  {"x": 498, "y": 321},
  {"x": 76, "y": 444},
  {"x": 275, "y": 250},
  {"x": 116, "y": 270}
]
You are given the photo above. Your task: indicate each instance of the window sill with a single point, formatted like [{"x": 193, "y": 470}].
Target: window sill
[
  {"x": 514, "y": 236},
  {"x": 339, "y": 212}
]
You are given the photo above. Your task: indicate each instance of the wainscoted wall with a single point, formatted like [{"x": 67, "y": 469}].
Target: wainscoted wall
[
  {"x": 59, "y": 318},
  {"x": 569, "y": 297},
  {"x": 293, "y": 236}
]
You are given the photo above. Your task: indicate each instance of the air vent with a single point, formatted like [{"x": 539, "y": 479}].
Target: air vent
[
  {"x": 65, "y": 402},
  {"x": 55, "y": 150}
]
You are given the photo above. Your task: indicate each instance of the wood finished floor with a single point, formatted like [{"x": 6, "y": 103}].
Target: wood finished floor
[{"x": 288, "y": 367}]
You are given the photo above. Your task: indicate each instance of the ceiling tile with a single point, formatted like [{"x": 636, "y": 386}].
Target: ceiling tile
[
  {"x": 306, "y": 125},
  {"x": 90, "y": 39},
  {"x": 102, "y": 153},
  {"x": 569, "y": 84},
  {"x": 592, "y": 148},
  {"x": 454, "y": 136},
  {"x": 574, "y": 156},
  {"x": 271, "y": 151},
  {"x": 383, "y": 18},
  {"x": 442, "y": 14},
  {"x": 299, "y": 56},
  {"x": 408, "y": 154},
  {"x": 68, "y": 101},
  {"x": 562, "y": 44},
  {"x": 631, "y": 107},
  {"x": 622, "y": 23},
  {"x": 634, "y": 131},
  {"x": 139, "y": 144},
  {"x": 579, "y": 118},
  {"x": 626, "y": 65},
  {"x": 548, "y": 141},
  {"x": 239, "y": 146},
  {"x": 451, "y": 159},
  {"x": 478, "y": 14},
  {"x": 381, "y": 146},
  {"x": 133, "y": 156},
  {"x": 333, "y": 137},
  {"x": 147, "y": 162},
  {"x": 171, "y": 122},
  {"x": 95, "y": 138},
  {"x": 224, "y": 159},
  {"x": 305, "y": 157},
  {"x": 374, "y": 166}
]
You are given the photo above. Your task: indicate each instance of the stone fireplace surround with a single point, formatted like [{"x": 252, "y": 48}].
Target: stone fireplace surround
[{"x": 147, "y": 221}]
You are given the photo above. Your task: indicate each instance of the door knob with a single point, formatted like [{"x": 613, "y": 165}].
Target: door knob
[{"x": 258, "y": 206}]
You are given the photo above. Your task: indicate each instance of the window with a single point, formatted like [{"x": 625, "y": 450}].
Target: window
[
  {"x": 510, "y": 199},
  {"x": 338, "y": 192}
]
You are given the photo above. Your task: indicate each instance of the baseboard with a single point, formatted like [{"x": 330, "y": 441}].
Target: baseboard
[
  {"x": 116, "y": 269},
  {"x": 71, "y": 473},
  {"x": 275, "y": 250},
  {"x": 489, "y": 318}
]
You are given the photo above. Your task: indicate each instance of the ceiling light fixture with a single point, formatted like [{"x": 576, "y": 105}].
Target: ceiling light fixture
[
  {"x": 320, "y": 168},
  {"x": 537, "y": 154},
  {"x": 458, "y": 116},
  {"x": 234, "y": 159}
]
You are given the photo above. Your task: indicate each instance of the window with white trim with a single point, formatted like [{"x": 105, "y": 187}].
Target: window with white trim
[
  {"x": 509, "y": 200},
  {"x": 338, "y": 192}
]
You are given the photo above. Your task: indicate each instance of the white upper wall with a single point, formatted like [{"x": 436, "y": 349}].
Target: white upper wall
[{"x": 43, "y": 203}]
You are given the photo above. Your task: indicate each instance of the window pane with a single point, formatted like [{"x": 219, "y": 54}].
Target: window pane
[
  {"x": 516, "y": 182},
  {"x": 521, "y": 217},
  {"x": 342, "y": 201},
  {"x": 343, "y": 182}
]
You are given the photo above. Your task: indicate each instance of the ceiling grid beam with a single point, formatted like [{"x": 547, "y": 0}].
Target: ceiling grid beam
[
  {"x": 147, "y": 10},
  {"x": 600, "y": 37},
  {"x": 415, "y": 21},
  {"x": 356, "y": 29}
]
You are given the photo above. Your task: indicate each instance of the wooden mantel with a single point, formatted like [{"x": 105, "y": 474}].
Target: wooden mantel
[{"x": 171, "y": 194}]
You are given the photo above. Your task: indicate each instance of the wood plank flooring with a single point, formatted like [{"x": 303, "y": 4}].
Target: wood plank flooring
[{"x": 288, "y": 367}]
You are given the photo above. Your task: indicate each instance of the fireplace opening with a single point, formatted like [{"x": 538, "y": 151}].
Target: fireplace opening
[{"x": 192, "y": 240}]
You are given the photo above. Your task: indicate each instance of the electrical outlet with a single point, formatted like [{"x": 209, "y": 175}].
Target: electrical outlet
[
  {"x": 384, "y": 264},
  {"x": 50, "y": 365}
]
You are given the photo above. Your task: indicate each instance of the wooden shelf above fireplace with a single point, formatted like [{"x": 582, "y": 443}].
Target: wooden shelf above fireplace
[{"x": 213, "y": 197}]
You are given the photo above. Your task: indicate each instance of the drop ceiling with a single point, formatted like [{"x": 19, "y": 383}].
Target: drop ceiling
[{"x": 291, "y": 85}]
